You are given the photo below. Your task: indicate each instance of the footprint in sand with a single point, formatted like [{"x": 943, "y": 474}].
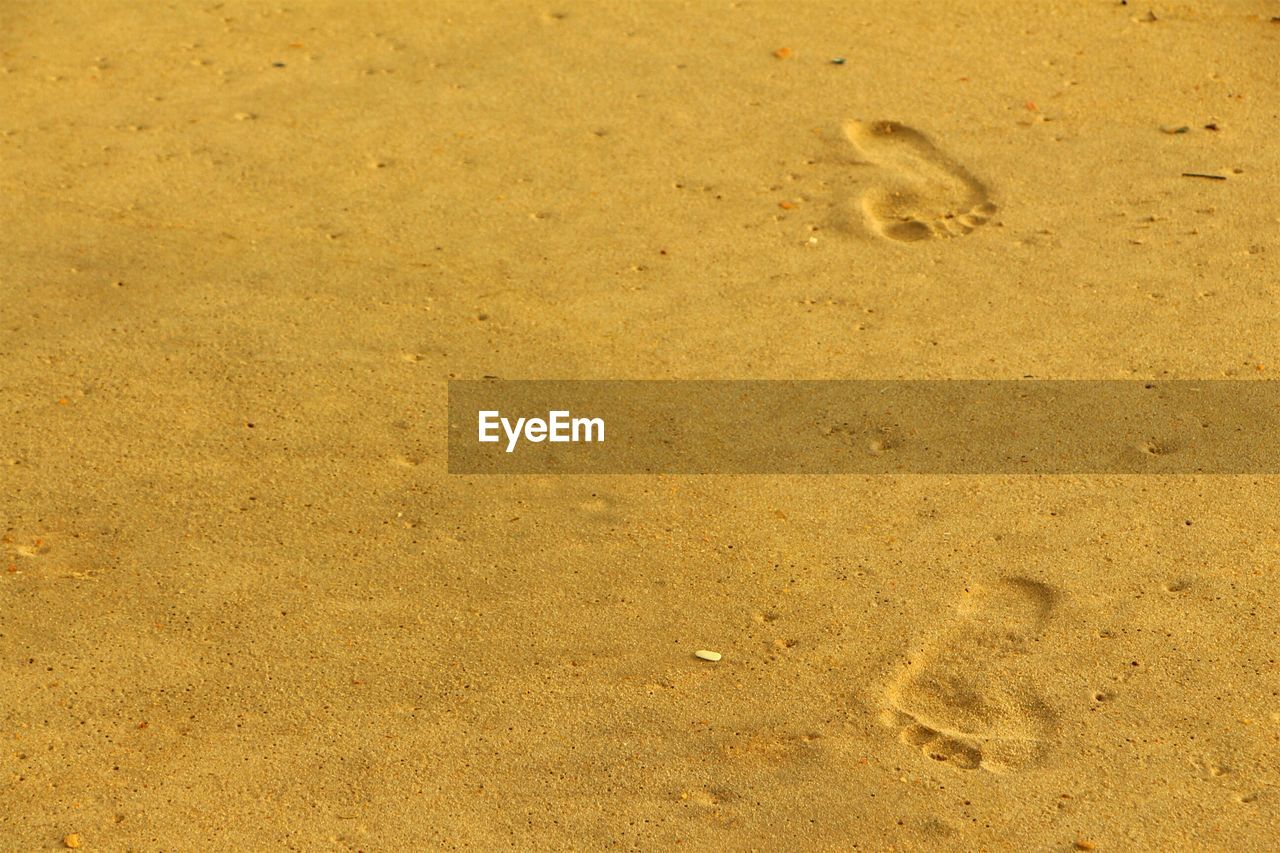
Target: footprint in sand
[
  {"x": 966, "y": 701},
  {"x": 927, "y": 195}
]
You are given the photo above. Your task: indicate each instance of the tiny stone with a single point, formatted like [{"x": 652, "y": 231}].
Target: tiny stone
[
  {"x": 72, "y": 840},
  {"x": 706, "y": 655}
]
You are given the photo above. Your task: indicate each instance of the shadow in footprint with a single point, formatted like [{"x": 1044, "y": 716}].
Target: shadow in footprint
[
  {"x": 965, "y": 701},
  {"x": 926, "y": 195}
]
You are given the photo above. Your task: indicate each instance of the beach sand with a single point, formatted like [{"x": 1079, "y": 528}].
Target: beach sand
[{"x": 244, "y": 607}]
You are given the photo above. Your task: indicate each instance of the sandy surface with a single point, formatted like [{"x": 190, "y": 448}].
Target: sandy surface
[{"x": 243, "y": 247}]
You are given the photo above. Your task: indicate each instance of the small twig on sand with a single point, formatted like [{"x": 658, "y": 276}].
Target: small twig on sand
[{"x": 1203, "y": 175}]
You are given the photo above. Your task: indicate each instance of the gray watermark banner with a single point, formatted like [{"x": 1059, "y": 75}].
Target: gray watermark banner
[{"x": 864, "y": 427}]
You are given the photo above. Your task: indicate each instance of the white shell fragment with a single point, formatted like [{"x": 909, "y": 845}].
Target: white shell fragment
[{"x": 706, "y": 655}]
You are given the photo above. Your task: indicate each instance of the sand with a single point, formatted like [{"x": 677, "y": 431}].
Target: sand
[{"x": 244, "y": 607}]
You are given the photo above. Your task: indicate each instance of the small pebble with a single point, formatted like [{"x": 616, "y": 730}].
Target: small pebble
[
  {"x": 72, "y": 841},
  {"x": 839, "y": 60},
  {"x": 706, "y": 655}
]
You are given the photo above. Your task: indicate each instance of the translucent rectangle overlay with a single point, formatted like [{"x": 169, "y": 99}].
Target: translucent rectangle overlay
[{"x": 866, "y": 427}]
